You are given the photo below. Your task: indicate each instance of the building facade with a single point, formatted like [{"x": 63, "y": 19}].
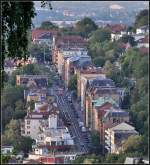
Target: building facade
[{"x": 116, "y": 135}]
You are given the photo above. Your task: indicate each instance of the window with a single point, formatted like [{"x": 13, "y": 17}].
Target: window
[
  {"x": 28, "y": 132},
  {"x": 114, "y": 120},
  {"x": 28, "y": 121},
  {"x": 53, "y": 143},
  {"x": 28, "y": 127}
]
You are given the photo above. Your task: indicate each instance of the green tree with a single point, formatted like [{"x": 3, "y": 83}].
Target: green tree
[
  {"x": 5, "y": 159},
  {"x": 73, "y": 83},
  {"x": 23, "y": 144},
  {"x": 10, "y": 95},
  {"x": 31, "y": 105},
  {"x": 12, "y": 136},
  {"x": 100, "y": 35},
  {"x": 96, "y": 50},
  {"x": 133, "y": 144},
  {"x": 99, "y": 61},
  {"x": 141, "y": 18},
  {"x": 16, "y": 20},
  {"x": 128, "y": 39},
  {"x": 85, "y": 26},
  {"x": 47, "y": 25}
]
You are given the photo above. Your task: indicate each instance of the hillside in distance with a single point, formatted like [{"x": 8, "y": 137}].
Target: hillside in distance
[{"x": 113, "y": 11}]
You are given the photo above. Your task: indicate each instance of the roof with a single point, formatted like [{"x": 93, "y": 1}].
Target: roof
[
  {"x": 31, "y": 161},
  {"x": 116, "y": 28},
  {"x": 123, "y": 127},
  {"x": 92, "y": 70},
  {"x": 116, "y": 113},
  {"x": 145, "y": 27},
  {"x": 7, "y": 146},
  {"x": 71, "y": 41},
  {"x": 36, "y": 33},
  {"x": 37, "y": 115},
  {"x": 101, "y": 82},
  {"x": 33, "y": 76},
  {"x": 38, "y": 80},
  {"x": 102, "y": 100},
  {"x": 46, "y": 35},
  {"x": 9, "y": 63}
]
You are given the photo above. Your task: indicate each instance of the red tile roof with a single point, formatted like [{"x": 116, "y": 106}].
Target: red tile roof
[
  {"x": 116, "y": 28},
  {"x": 70, "y": 39},
  {"x": 38, "y": 32}
]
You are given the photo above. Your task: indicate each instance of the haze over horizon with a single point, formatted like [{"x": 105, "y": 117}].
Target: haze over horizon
[{"x": 113, "y": 11}]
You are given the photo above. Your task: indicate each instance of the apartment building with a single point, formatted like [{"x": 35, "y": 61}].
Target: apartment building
[
  {"x": 85, "y": 74},
  {"x": 67, "y": 43},
  {"x": 115, "y": 136},
  {"x": 32, "y": 81},
  {"x": 71, "y": 65},
  {"x": 89, "y": 83},
  {"x": 32, "y": 124},
  {"x": 34, "y": 121},
  {"x": 64, "y": 54},
  {"x": 41, "y": 36},
  {"x": 96, "y": 94}
]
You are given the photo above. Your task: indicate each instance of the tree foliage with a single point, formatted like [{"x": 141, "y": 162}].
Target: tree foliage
[
  {"x": 47, "y": 25},
  {"x": 141, "y": 18},
  {"x": 9, "y": 98},
  {"x": 73, "y": 83},
  {"x": 128, "y": 39},
  {"x": 133, "y": 144},
  {"x": 16, "y": 20},
  {"x": 100, "y": 35},
  {"x": 12, "y": 136},
  {"x": 85, "y": 26}
]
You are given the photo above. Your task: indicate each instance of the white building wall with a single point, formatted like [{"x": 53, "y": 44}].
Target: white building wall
[
  {"x": 146, "y": 45},
  {"x": 52, "y": 121},
  {"x": 140, "y": 31},
  {"x": 32, "y": 129}
]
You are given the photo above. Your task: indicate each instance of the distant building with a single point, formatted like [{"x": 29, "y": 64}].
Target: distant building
[
  {"x": 87, "y": 83},
  {"x": 138, "y": 36},
  {"x": 53, "y": 138},
  {"x": 97, "y": 95},
  {"x": 135, "y": 160},
  {"x": 144, "y": 42},
  {"x": 118, "y": 35},
  {"x": 51, "y": 158},
  {"x": 71, "y": 64},
  {"x": 64, "y": 54},
  {"x": 32, "y": 81},
  {"x": 9, "y": 65},
  {"x": 116, "y": 135},
  {"x": 40, "y": 36},
  {"x": 35, "y": 95},
  {"x": 85, "y": 74},
  {"x": 67, "y": 43},
  {"x": 32, "y": 124},
  {"x": 7, "y": 150},
  {"x": 142, "y": 30}
]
